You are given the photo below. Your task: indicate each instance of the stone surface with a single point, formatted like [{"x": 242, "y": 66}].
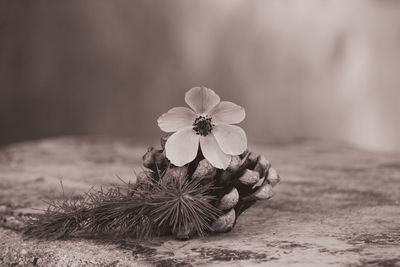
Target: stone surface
[{"x": 335, "y": 206}]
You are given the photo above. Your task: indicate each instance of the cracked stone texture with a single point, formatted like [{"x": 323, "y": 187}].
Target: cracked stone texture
[{"x": 336, "y": 205}]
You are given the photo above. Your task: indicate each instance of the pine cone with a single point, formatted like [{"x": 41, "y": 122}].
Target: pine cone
[{"x": 248, "y": 178}]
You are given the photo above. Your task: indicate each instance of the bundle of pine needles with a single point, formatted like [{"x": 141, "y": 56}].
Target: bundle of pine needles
[{"x": 161, "y": 206}]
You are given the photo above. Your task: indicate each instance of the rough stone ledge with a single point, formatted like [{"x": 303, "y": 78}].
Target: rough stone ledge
[{"x": 335, "y": 206}]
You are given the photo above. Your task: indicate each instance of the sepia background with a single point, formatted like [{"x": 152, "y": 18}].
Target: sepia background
[{"x": 302, "y": 69}]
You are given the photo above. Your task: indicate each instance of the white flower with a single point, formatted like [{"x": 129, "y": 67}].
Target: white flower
[{"x": 208, "y": 123}]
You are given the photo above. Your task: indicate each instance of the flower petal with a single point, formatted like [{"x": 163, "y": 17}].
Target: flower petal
[
  {"x": 201, "y": 99},
  {"x": 227, "y": 113},
  {"x": 182, "y": 147},
  {"x": 176, "y": 119},
  {"x": 213, "y": 153},
  {"x": 232, "y": 139}
]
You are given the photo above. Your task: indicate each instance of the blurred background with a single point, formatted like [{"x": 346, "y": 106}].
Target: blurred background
[{"x": 325, "y": 69}]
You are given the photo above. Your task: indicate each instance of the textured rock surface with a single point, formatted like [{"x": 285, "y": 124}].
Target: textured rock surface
[{"x": 334, "y": 206}]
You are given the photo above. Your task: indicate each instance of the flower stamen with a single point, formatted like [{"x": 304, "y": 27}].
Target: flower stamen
[{"x": 202, "y": 125}]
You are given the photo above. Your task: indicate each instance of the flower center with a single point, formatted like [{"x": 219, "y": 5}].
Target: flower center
[{"x": 202, "y": 125}]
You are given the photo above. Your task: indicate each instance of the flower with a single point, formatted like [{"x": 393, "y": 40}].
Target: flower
[{"x": 208, "y": 123}]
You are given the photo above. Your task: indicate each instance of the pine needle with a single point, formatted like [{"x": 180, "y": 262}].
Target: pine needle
[{"x": 141, "y": 211}]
